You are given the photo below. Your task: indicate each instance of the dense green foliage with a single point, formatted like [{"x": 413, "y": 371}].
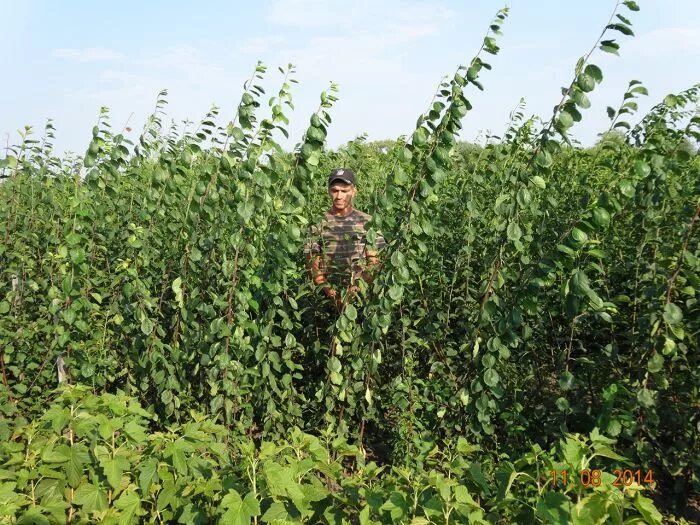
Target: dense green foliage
[
  {"x": 92, "y": 458},
  {"x": 536, "y": 306}
]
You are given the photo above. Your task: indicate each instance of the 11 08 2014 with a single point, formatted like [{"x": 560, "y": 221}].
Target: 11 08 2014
[{"x": 594, "y": 477}]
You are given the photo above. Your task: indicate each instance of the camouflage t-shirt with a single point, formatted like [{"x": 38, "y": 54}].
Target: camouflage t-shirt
[{"x": 342, "y": 244}]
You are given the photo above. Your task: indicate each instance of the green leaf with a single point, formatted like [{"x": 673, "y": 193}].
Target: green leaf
[
  {"x": 278, "y": 511},
  {"x": 566, "y": 381},
  {"x": 334, "y": 364},
  {"x": 10, "y": 162},
  {"x": 524, "y": 197},
  {"x": 396, "y": 292},
  {"x": 554, "y": 508},
  {"x": 73, "y": 239},
  {"x": 463, "y": 396},
  {"x": 135, "y": 431},
  {"x": 420, "y": 137},
  {"x": 113, "y": 469},
  {"x": 398, "y": 259},
  {"x": 622, "y": 28},
  {"x": 167, "y": 496},
  {"x": 656, "y": 363},
  {"x": 639, "y": 89},
  {"x": 580, "y": 98},
  {"x": 538, "y": 181},
  {"x": 586, "y": 82},
  {"x": 669, "y": 346},
  {"x": 239, "y": 511},
  {"x": 166, "y": 396},
  {"x": 280, "y": 481},
  {"x": 148, "y": 474},
  {"x": 77, "y": 457},
  {"x": 573, "y": 452},
  {"x": 68, "y": 316},
  {"x": 514, "y": 232},
  {"x": 601, "y": 217},
  {"x": 350, "y": 312},
  {"x": 178, "y": 456},
  {"x": 4, "y": 307},
  {"x": 491, "y": 377},
  {"x": 130, "y": 505},
  {"x": 641, "y": 168},
  {"x": 316, "y": 134},
  {"x": 400, "y": 177},
  {"x": 147, "y": 326},
  {"x": 237, "y": 133},
  {"x": 544, "y": 159},
  {"x": 610, "y": 46},
  {"x": 488, "y": 360},
  {"x": 565, "y": 120},
  {"x": 671, "y": 101},
  {"x": 672, "y": 314},
  {"x": 627, "y": 189},
  {"x": 505, "y": 477},
  {"x": 33, "y": 516},
  {"x": 7, "y": 493},
  {"x": 594, "y": 72},
  {"x": 91, "y": 498},
  {"x": 396, "y": 505},
  {"x": 645, "y": 397},
  {"x": 646, "y": 508},
  {"x": 579, "y": 235}
]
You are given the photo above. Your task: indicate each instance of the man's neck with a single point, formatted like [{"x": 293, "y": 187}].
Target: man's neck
[{"x": 341, "y": 213}]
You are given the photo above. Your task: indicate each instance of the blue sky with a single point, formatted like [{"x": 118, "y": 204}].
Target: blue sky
[{"x": 66, "y": 59}]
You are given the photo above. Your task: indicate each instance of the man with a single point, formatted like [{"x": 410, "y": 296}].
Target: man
[{"x": 337, "y": 253}]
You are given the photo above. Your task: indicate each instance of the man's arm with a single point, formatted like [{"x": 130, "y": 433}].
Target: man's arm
[
  {"x": 372, "y": 266},
  {"x": 318, "y": 275}
]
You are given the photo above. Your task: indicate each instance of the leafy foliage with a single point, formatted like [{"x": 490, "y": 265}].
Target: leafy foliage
[
  {"x": 532, "y": 292},
  {"x": 92, "y": 458}
]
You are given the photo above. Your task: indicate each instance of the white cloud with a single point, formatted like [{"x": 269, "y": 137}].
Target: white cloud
[
  {"x": 260, "y": 45},
  {"x": 123, "y": 85},
  {"x": 366, "y": 47},
  {"x": 184, "y": 60},
  {"x": 342, "y": 55},
  {"x": 308, "y": 13},
  {"x": 667, "y": 42},
  {"x": 359, "y": 40},
  {"x": 89, "y": 54},
  {"x": 121, "y": 77},
  {"x": 350, "y": 16},
  {"x": 413, "y": 12}
]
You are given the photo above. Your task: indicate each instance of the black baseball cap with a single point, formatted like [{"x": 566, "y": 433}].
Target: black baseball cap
[{"x": 342, "y": 174}]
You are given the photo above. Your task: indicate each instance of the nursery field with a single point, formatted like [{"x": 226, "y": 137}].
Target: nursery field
[{"x": 528, "y": 352}]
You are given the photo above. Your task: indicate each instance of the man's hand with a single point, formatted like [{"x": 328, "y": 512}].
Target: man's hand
[
  {"x": 372, "y": 266},
  {"x": 353, "y": 291},
  {"x": 334, "y": 296}
]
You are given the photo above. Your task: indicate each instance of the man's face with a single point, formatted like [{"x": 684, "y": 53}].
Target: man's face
[{"x": 342, "y": 194}]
